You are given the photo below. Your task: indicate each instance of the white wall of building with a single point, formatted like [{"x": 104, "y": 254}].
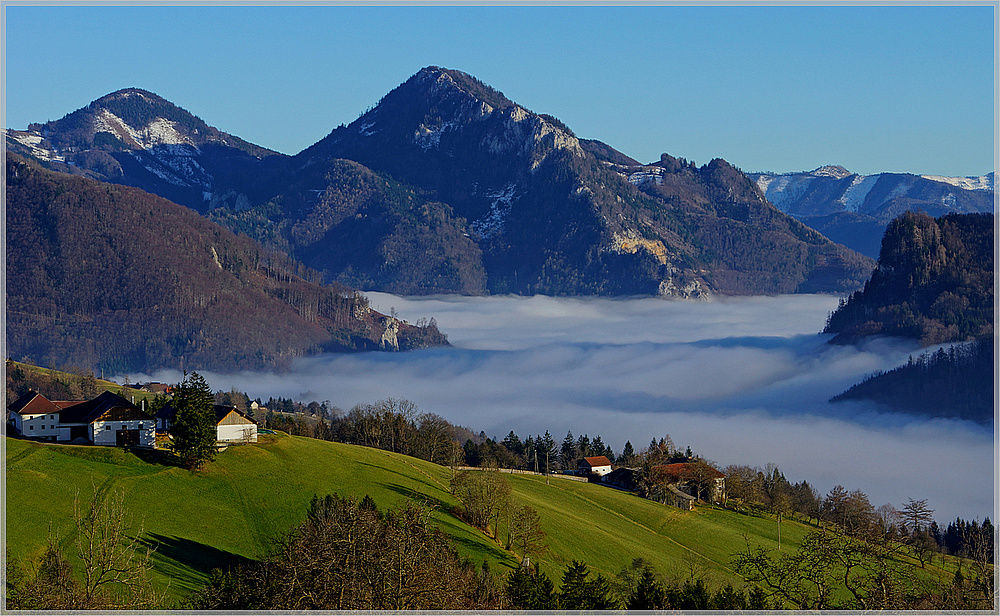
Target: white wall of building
[
  {"x": 39, "y": 426},
  {"x": 237, "y": 433},
  {"x": 106, "y": 432}
]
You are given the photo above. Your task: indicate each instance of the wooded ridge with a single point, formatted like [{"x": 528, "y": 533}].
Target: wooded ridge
[{"x": 107, "y": 277}]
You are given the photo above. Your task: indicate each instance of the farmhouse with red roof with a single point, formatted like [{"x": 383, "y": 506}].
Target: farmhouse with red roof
[{"x": 595, "y": 465}]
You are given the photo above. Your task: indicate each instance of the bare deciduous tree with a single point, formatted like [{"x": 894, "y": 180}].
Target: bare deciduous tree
[
  {"x": 526, "y": 534},
  {"x": 116, "y": 563}
]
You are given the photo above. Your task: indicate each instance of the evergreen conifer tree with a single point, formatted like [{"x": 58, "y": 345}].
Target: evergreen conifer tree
[{"x": 193, "y": 431}]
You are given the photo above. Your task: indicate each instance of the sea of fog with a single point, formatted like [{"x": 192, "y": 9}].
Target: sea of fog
[{"x": 739, "y": 380}]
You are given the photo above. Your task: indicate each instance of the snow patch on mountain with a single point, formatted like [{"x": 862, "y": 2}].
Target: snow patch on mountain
[
  {"x": 854, "y": 197},
  {"x": 831, "y": 171},
  {"x": 646, "y": 175},
  {"x": 180, "y": 158},
  {"x": 492, "y": 223},
  {"x": 780, "y": 189},
  {"x": 164, "y": 132},
  {"x": 33, "y": 141},
  {"x": 982, "y": 182},
  {"x": 156, "y": 169},
  {"x": 158, "y": 132},
  {"x": 900, "y": 190},
  {"x": 427, "y": 137}
]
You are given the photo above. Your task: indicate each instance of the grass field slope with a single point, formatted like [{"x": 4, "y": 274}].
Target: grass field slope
[{"x": 252, "y": 493}]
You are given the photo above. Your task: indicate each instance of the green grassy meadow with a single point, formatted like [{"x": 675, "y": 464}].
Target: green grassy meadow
[{"x": 252, "y": 493}]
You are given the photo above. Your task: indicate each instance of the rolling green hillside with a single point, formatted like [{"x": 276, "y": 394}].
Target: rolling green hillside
[{"x": 252, "y": 493}]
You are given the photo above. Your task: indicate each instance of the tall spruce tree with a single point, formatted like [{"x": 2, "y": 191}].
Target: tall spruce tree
[{"x": 194, "y": 425}]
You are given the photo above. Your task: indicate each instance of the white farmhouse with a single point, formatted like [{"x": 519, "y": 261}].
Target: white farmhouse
[
  {"x": 108, "y": 419},
  {"x": 595, "y": 465}
]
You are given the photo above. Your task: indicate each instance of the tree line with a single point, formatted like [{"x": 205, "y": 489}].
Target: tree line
[
  {"x": 957, "y": 383},
  {"x": 347, "y": 554}
]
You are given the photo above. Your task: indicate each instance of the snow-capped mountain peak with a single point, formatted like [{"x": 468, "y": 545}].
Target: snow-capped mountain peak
[{"x": 832, "y": 171}]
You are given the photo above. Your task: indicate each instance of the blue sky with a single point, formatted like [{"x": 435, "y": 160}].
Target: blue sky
[{"x": 768, "y": 88}]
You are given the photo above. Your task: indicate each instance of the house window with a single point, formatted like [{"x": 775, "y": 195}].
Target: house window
[
  {"x": 107, "y": 427},
  {"x": 31, "y": 427}
]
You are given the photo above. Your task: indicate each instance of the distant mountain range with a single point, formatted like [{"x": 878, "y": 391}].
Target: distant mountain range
[
  {"x": 448, "y": 186},
  {"x": 854, "y": 209}
]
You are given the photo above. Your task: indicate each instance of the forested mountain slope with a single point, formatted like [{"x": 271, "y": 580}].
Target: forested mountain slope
[
  {"x": 957, "y": 383},
  {"x": 103, "y": 276},
  {"x": 933, "y": 282}
]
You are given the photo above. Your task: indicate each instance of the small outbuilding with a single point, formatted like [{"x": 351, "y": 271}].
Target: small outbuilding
[
  {"x": 595, "y": 465},
  {"x": 231, "y": 424}
]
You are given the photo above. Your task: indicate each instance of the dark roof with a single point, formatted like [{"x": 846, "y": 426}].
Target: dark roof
[
  {"x": 222, "y": 410},
  {"x": 32, "y": 403},
  {"x": 597, "y": 461},
  {"x": 167, "y": 411},
  {"x": 86, "y": 412}
]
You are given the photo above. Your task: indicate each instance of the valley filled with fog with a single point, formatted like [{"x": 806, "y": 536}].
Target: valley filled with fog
[{"x": 739, "y": 380}]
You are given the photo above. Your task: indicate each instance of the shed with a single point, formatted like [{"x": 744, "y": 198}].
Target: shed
[
  {"x": 231, "y": 424},
  {"x": 595, "y": 465},
  {"x": 234, "y": 426}
]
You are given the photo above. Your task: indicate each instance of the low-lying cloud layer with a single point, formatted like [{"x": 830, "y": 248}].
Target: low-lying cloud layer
[{"x": 742, "y": 381}]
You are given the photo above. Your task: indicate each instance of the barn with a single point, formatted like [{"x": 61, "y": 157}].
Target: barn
[
  {"x": 595, "y": 465},
  {"x": 108, "y": 419}
]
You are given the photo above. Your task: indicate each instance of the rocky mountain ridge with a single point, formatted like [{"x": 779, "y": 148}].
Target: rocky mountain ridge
[
  {"x": 446, "y": 185},
  {"x": 137, "y": 138}
]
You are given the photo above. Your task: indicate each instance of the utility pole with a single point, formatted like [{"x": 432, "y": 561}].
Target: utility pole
[{"x": 779, "y": 531}]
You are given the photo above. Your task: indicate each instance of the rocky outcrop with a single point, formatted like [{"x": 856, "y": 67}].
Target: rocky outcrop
[{"x": 389, "y": 340}]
